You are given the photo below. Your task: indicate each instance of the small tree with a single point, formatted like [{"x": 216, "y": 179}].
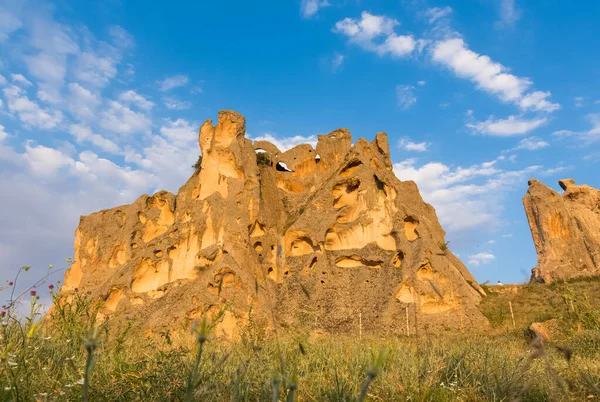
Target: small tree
[
  {"x": 263, "y": 159},
  {"x": 198, "y": 164}
]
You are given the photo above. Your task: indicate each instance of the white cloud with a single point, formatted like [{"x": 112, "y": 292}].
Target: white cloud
[
  {"x": 2, "y": 79},
  {"x": 491, "y": 241},
  {"x": 405, "y": 96},
  {"x": 513, "y": 125},
  {"x": 84, "y": 134},
  {"x": 1, "y": 103},
  {"x": 464, "y": 198},
  {"x": 578, "y": 101},
  {"x": 20, "y": 79},
  {"x": 132, "y": 97},
  {"x": 421, "y": 83},
  {"x": 310, "y": 8},
  {"x": 82, "y": 103},
  {"x": 173, "y": 103},
  {"x": 120, "y": 119},
  {"x": 336, "y": 61},
  {"x": 8, "y": 24},
  {"x": 537, "y": 101},
  {"x": 173, "y": 82},
  {"x": 556, "y": 170},
  {"x": 51, "y": 45},
  {"x": 436, "y": 13},
  {"x": 94, "y": 69},
  {"x": 180, "y": 131},
  {"x": 508, "y": 13},
  {"x": 3, "y": 134},
  {"x": 490, "y": 76},
  {"x": 29, "y": 112},
  {"x": 376, "y": 34},
  {"x": 283, "y": 144},
  {"x": 48, "y": 68},
  {"x": 44, "y": 161},
  {"x": 413, "y": 146},
  {"x": 481, "y": 258},
  {"x": 121, "y": 38},
  {"x": 532, "y": 144},
  {"x": 586, "y": 137}
]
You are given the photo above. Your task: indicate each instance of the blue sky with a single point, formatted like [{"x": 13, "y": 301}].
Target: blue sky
[{"x": 102, "y": 103}]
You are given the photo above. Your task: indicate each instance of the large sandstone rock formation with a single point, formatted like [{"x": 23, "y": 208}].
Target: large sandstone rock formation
[
  {"x": 311, "y": 237},
  {"x": 565, "y": 229}
]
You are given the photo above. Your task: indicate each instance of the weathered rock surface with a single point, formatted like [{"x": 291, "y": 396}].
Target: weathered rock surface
[
  {"x": 314, "y": 238},
  {"x": 565, "y": 229}
]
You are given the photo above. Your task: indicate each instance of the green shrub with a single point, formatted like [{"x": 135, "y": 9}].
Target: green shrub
[
  {"x": 198, "y": 164},
  {"x": 263, "y": 159}
]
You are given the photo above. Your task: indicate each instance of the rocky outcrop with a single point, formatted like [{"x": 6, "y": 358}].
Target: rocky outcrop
[
  {"x": 310, "y": 237},
  {"x": 565, "y": 229}
]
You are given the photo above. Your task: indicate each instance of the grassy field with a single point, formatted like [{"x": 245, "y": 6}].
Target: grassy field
[{"x": 74, "y": 362}]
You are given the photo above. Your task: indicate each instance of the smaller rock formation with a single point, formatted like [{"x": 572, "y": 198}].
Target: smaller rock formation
[
  {"x": 566, "y": 230},
  {"x": 548, "y": 330}
]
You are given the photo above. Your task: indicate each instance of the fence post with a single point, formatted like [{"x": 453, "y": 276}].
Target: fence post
[{"x": 511, "y": 313}]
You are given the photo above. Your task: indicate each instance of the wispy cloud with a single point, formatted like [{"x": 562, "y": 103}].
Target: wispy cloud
[
  {"x": 20, "y": 79},
  {"x": 132, "y": 97},
  {"x": 8, "y": 24},
  {"x": 434, "y": 14},
  {"x": 173, "y": 103},
  {"x": 513, "y": 125},
  {"x": 588, "y": 136},
  {"x": 310, "y": 8},
  {"x": 531, "y": 144},
  {"x": 337, "y": 61},
  {"x": 509, "y": 14},
  {"x": 481, "y": 258},
  {"x": 405, "y": 96},
  {"x": 173, "y": 82},
  {"x": 409, "y": 145}
]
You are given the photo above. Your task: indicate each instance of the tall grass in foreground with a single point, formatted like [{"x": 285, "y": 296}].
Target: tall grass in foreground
[{"x": 78, "y": 360}]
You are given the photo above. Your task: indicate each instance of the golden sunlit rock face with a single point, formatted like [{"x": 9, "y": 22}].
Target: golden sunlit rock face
[
  {"x": 310, "y": 237},
  {"x": 565, "y": 229}
]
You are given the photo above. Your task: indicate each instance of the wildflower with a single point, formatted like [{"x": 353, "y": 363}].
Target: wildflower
[
  {"x": 7, "y": 388},
  {"x": 76, "y": 290},
  {"x": 51, "y": 286},
  {"x": 10, "y": 283},
  {"x": 13, "y": 364},
  {"x": 3, "y": 314},
  {"x": 26, "y": 267},
  {"x": 50, "y": 267},
  {"x": 33, "y": 292},
  {"x": 80, "y": 381}
]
